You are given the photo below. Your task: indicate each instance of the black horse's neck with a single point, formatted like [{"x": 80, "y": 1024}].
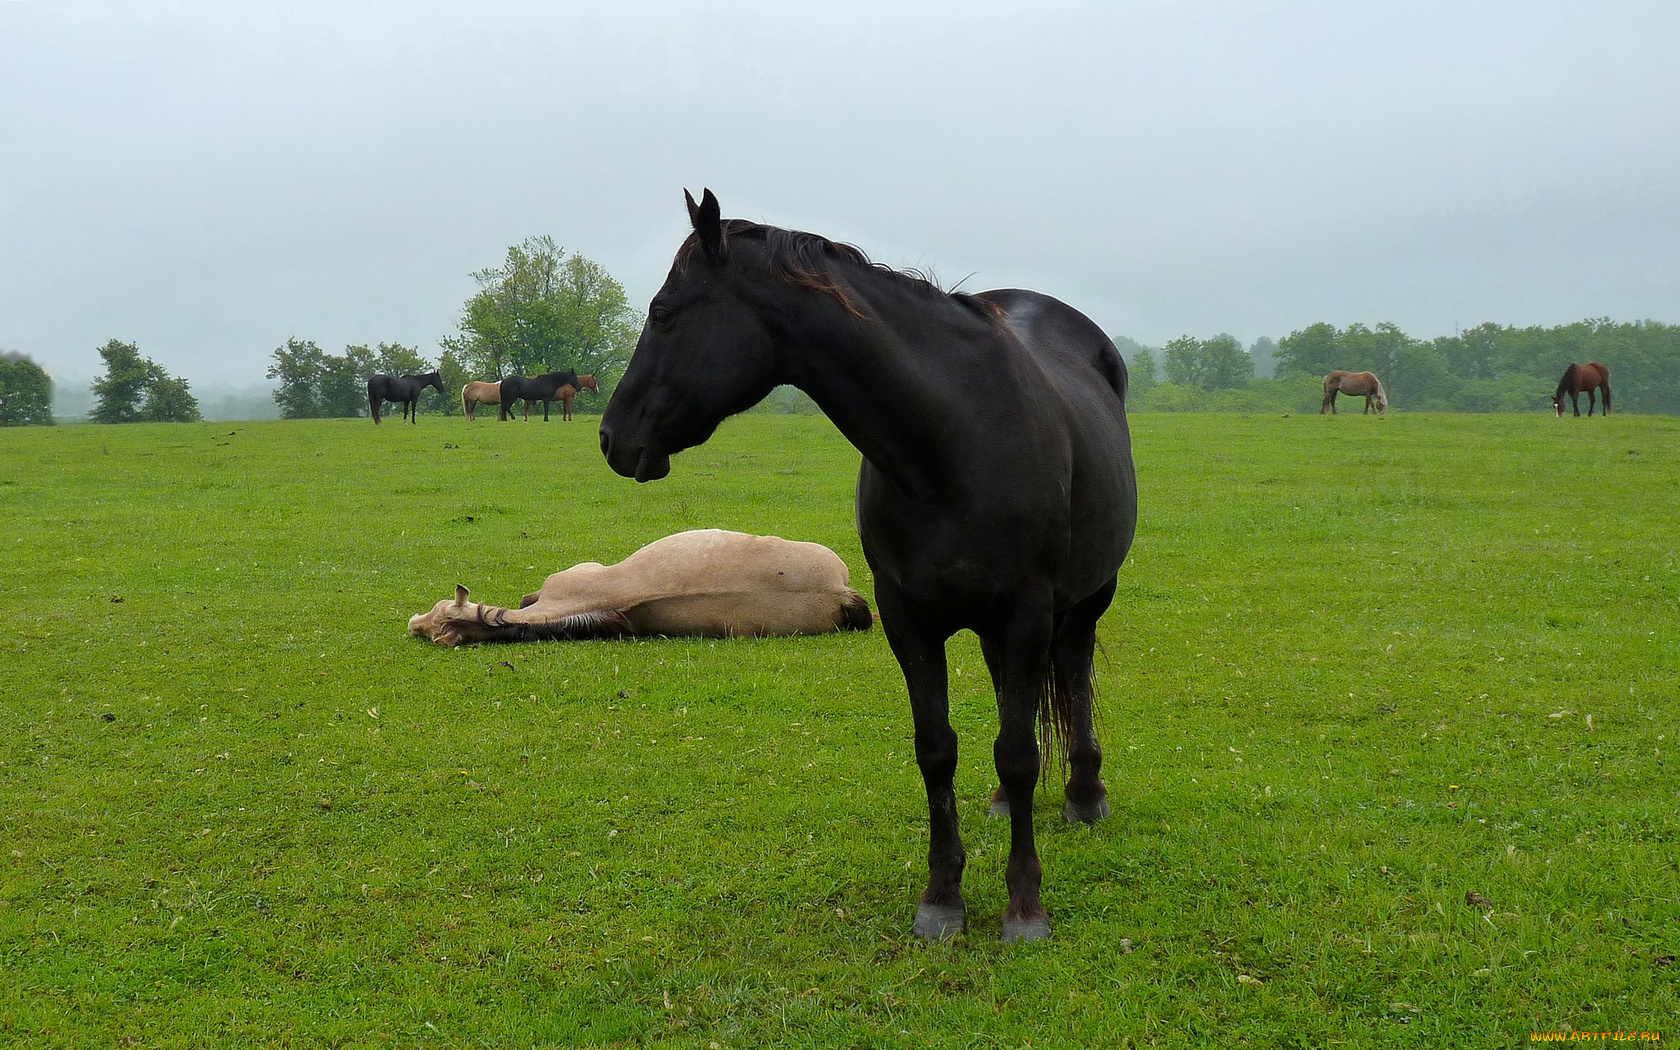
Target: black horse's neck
[{"x": 900, "y": 375}]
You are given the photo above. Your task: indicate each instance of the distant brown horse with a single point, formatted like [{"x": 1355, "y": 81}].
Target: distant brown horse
[
  {"x": 1354, "y": 384},
  {"x": 1576, "y": 378},
  {"x": 567, "y": 391},
  {"x": 475, "y": 394}
]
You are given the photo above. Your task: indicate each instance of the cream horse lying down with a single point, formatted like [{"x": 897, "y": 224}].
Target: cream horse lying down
[{"x": 707, "y": 583}]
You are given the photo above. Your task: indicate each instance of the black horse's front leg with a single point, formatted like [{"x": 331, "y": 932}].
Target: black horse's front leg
[{"x": 941, "y": 912}]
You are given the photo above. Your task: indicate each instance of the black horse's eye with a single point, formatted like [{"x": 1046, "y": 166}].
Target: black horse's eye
[{"x": 659, "y": 314}]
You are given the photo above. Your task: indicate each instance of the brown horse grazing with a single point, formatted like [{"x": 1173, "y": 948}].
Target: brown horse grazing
[
  {"x": 1355, "y": 384},
  {"x": 1576, "y": 378},
  {"x": 475, "y": 394},
  {"x": 707, "y": 583}
]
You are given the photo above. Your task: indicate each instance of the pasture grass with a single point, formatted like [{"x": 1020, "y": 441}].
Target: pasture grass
[{"x": 1355, "y": 670}]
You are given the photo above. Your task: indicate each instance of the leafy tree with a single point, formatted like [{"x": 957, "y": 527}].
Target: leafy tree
[
  {"x": 343, "y": 382},
  {"x": 25, "y": 392},
  {"x": 544, "y": 310},
  {"x": 170, "y": 401},
  {"x": 136, "y": 389},
  {"x": 1225, "y": 364},
  {"x": 395, "y": 359},
  {"x": 1312, "y": 351},
  {"x": 1140, "y": 374},
  {"x": 453, "y": 370},
  {"x": 1219, "y": 363},
  {"x": 120, "y": 390},
  {"x": 1181, "y": 359},
  {"x": 298, "y": 365}
]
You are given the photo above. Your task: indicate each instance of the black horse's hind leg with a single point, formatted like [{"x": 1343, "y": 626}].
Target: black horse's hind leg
[
  {"x": 1086, "y": 799},
  {"x": 1026, "y": 645},
  {"x": 920, "y": 650},
  {"x": 545, "y": 411}
]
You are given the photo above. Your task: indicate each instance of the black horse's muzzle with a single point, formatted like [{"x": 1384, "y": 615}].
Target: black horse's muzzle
[{"x": 643, "y": 464}]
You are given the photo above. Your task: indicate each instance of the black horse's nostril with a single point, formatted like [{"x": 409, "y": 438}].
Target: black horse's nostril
[{"x": 606, "y": 442}]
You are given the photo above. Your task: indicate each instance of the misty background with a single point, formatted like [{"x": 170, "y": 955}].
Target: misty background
[{"x": 208, "y": 181}]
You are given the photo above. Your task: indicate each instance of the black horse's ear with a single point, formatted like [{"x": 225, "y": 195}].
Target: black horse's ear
[{"x": 708, "y": 223}]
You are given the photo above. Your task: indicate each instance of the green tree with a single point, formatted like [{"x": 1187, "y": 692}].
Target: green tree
[
  {"x": 1182, "y": 361},
  {"x": 1225, "y": 364},
  {"x": 169, "y": 400},
  {"x": 25, "y": 392},
  {"x": 343, "y": 384},
  {"x": 1264, "y": 354},
  {"x": 135, "y": 389},
  {"x": 1312, "y": 351},
  {"x": 119, "y": 392},
  {"x": 452, "y": 368},
  {"x": 298, "y": 365},
  {"x": 1140, "y": 374},
  {"x": 544, "y": 310}
]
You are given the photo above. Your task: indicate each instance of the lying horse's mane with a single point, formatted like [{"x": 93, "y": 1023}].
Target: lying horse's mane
[
  {"x": 806, "y": 260},
  {"x": 599, "y": 623}
]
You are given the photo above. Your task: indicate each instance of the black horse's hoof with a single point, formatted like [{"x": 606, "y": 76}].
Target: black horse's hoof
[
  {"x": 1026, "y": 930},
  {"x": 1084, "y": 812},
  {"x": 940, "y": 922}
]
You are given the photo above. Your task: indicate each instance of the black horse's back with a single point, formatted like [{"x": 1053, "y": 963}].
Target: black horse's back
[{"x": 1046, "y": 324}]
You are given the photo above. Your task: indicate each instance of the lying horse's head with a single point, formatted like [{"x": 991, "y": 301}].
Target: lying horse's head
[
  {"x": 449, "y": 622},
  {"x": 705, "y": 353}
]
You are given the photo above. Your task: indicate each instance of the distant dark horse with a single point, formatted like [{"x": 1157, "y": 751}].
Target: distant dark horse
[
  {"x": 1354, "y": 384},
  {"x": 383, "y": 388},
  {"x": 1577, "y": 378},
  {"x": 544, "y": 388},
  {"x": 1013, "y": 532}
]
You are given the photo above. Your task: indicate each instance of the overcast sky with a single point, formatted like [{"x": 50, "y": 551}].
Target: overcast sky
[{"x": 208, "y": 179}]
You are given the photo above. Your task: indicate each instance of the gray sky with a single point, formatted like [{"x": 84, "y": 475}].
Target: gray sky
[{"x": 207, "y": 179}]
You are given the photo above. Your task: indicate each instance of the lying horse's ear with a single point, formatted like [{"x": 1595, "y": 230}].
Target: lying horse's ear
[
  {"x": 460, "y": 595},
  {"x": 708, "y": 223}
]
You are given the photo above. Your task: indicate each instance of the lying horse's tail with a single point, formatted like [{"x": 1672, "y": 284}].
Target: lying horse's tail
[{"x": 854, "y": 612}]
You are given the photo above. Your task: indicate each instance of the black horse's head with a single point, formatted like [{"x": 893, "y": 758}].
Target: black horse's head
[{"x": 706, "y": 351}]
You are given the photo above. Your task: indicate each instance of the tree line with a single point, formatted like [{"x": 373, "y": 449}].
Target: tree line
[{"x": 1489, "y": 368}]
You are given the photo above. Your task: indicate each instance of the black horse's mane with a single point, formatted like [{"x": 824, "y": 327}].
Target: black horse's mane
[{"x": 806, "y": 259}]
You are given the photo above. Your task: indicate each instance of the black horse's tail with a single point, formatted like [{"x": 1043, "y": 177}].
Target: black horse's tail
[{"x": 1056, "y": 713}]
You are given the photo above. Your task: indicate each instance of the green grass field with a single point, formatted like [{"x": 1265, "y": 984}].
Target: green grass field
[{"x": 1355, "y": 670}]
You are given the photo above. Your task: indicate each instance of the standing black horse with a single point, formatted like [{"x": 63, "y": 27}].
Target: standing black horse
[
  {"x": 1014, "y": 532},
  {"x": 544, "y": 388},
  {"x": 383, "y": 388}
]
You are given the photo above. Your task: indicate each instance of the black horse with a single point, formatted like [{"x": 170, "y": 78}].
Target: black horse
[
  {"x": 1014, "y": 531},
  {"x": 383, "y": 388},
  {"x": 544, "y": 388}
]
